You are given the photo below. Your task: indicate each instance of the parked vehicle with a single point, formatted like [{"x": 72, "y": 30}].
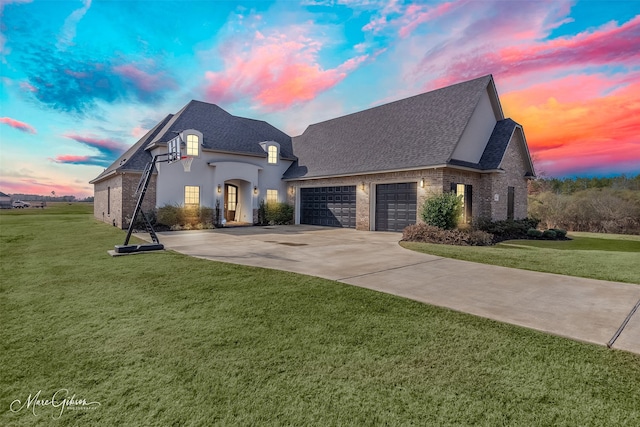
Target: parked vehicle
[{"x": 19, "y": 204}]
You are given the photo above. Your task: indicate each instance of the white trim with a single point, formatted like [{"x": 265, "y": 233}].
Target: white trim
[{"x": 355, "y": 174}]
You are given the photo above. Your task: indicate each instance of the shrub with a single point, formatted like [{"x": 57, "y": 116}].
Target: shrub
[
  {"x": 480, "y": 238},
  {"x": 429, "y": 234},
  {"x": 535, "y": 233},
  {"x": 185, "y": 218},
  {"x": 262, "y": 213},
  {"x": 442, "y": 210},
  {"x": 549, "y": 234},
  {"x": 169, "y": 215},
  {"x": 278, "y": 214},
  {"x": 560, "y": 233},
  {"x": 507, "y": 229}
]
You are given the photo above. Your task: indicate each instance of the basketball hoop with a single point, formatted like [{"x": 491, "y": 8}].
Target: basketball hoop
[{"x": 186, "y": 163}]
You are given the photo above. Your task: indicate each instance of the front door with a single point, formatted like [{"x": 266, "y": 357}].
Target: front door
[{"x": 230, "y": 201}]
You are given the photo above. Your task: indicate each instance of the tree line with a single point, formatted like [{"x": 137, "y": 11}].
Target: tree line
[{"x": 602, "y": 205}]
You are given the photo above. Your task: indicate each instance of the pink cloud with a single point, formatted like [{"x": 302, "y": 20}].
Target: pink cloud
[
  {"x": 70, "y": 158},
  {"x": 24, "y": 127},
  {"x": 275, "y": 71},
  {"x": 109, "y": 149},
  {"x": 145, "y": 83},
  {"x": 580, "y": 123},
  {"x": 496, "y": 53},
  {"x": 11, "y": 185},
  {"x": 416, "y": 15},
  {"x": 138, "y": 131}
]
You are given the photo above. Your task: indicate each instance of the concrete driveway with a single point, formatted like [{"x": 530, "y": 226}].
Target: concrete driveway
[{"x": 582, "y": 309}]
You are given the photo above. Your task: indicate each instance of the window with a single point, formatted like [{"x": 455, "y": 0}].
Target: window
[
  {"x": 193, "y": 142},
  {"x": 466, "y": 191},
  {"x": 108, "y": 201},
  {"x": 272, "y": 196},
  {"x": 273, "y": 155},
  {"x": 510, "y": 202},
  {"x": 191, "y": 195}
]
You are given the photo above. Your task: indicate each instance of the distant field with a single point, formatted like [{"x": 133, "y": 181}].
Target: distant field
[
  {"x": 164, "y": 339},
  {"x": 598, "y": 256}
]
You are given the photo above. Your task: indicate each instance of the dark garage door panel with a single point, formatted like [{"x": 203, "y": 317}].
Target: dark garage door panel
[
  {"x": 329, "y": 206},
  {"x": 396, "y": 206}
]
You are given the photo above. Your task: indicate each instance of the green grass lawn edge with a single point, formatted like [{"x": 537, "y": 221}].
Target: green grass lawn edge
[
  {"x": 595, "y": 256},
  {"x": 166, "y": 339}
]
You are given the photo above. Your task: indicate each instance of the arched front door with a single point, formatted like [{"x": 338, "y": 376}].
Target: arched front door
[{"x": 230, "y": 202}]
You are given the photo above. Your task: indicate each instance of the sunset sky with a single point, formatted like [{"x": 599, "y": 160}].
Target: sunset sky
[{"x": 83, "y": 80}]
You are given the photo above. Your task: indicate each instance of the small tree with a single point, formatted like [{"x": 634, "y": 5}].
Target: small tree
[{"x": 442, "y": 210}]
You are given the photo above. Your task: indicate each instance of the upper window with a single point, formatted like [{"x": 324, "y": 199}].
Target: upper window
[
  {"x": 272, "y": 196},
  {"x": 273, "y": 154},
  {"x": 193, "y": 144},
  {"x": 191, "y": 195}
]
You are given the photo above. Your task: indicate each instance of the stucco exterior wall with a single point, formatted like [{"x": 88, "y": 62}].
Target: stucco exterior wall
[
  {"x": 477, "y": 133},
  {"x": 212, "y": 169}
]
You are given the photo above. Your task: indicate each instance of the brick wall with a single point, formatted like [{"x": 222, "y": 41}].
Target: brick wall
[
  {"x": 121, "y": 188},
  {"x": 130, "y": 182},
  {"x": 103, "y": 209},
  {"x": 432, "y": 184},
  {"x": 514, "y": 166}
]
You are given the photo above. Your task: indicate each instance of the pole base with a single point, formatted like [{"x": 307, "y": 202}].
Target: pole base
[{"x": 128, "y": 249}]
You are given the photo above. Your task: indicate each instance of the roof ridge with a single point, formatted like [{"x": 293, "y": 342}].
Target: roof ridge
[{"x": 390, "y": 103}]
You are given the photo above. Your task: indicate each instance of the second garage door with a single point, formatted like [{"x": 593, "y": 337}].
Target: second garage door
[
  {"x": 329, "y": 206},
  {"x": 395, "y": 206}
]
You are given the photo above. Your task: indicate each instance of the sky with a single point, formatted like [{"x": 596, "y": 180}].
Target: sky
[{"x": 81, "y": 81}]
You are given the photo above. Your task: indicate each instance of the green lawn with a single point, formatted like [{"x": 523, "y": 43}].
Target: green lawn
[
  {"x": 597, "y": 256},
  {"x": 164, "y": 339}
]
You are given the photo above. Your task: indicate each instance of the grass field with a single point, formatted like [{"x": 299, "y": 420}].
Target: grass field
[
  {"x": 164, "y": 339},
  {"x": 598, "y": 256}
]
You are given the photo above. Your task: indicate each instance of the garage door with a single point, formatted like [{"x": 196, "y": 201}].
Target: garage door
[
  {"x": 395, "y": 206},
  {"x": 329, "y": 206}
]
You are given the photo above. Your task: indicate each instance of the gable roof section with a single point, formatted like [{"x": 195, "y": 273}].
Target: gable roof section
[
  {"x": 496, "y": 148},
  {"x": 136, "y": 157},
  {"x": 3, "y": 195},
  {"x": 420, "y": 131},
  {"x": 223, "y": 131}
]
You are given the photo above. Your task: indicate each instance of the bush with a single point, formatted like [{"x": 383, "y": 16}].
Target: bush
[
  {"x": 185, "y": 218},
  {"x": 560, "y": 233},
  {"x": 278, "y": 214},
  {"x": 442, "y": 210},
  {"x": 535, "y": 233},
  {"x": 549, "y": 234},
  {"x": 429, "y": 234},
  {"x": 480, "y": 238}
]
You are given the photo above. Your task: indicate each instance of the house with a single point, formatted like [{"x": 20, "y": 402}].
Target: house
[
  {"x": 369, "y": 170},
  {"x": 5, "y": 201}
]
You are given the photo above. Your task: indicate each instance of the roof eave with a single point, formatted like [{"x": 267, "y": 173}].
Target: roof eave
[{"x": 341, "y": 175}]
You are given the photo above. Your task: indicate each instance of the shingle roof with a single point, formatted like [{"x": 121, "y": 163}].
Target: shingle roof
[
  {"x": 136, "y": 157},
  {"x": 221, "y": 131},
  {"x": 415, "y": 132},
  {"x": 225, "y": 132}
]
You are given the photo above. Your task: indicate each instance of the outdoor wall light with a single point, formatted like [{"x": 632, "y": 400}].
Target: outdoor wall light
[
  {"x": 219, "y": 189},
  {"x": 362, "y": 186},
  {"x": 255, "y": 190},
  {"x": 422, "y": 183}
]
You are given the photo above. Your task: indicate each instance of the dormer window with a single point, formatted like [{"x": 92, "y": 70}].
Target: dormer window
[
  {"x": 193, "y": 144},
  {"x": 272, "y": 155}
]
